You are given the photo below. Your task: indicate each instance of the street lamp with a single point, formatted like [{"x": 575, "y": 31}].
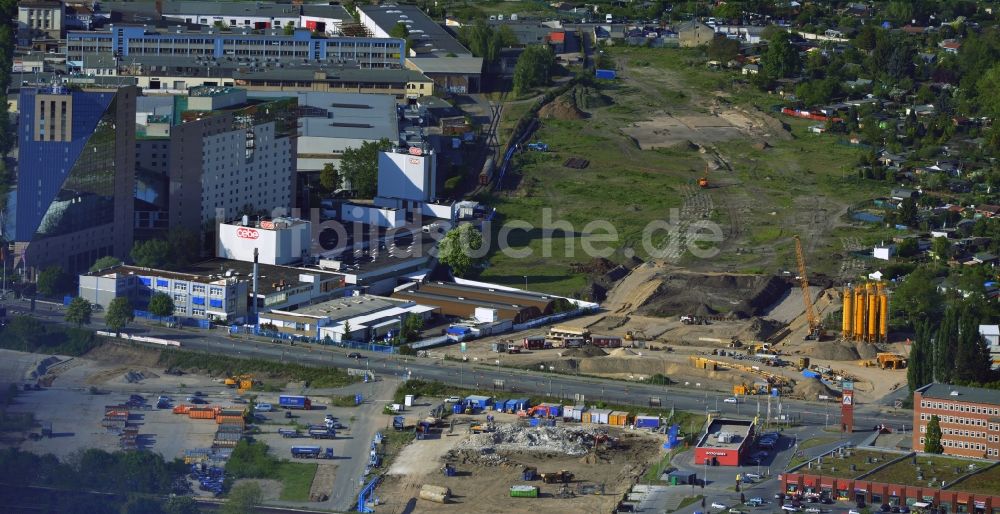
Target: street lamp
[{"x": 526, "y": 282}]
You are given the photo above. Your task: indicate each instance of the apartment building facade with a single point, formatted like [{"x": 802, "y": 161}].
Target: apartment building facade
[
  {"x": 969, "y": 418},
  {"x": 125, "y": 41}
]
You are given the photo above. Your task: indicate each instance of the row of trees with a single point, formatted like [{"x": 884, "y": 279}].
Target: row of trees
[
  {"x": 953, "y": 351},
  {"x": 486, "y": 41},
  {"x": 533, "y": 68}
]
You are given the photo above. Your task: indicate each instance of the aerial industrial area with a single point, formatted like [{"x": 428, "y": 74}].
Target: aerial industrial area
[{"x": 503, "y": 256}]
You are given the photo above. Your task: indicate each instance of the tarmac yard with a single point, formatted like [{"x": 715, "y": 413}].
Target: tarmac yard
[{"x": 485, "y": 471}]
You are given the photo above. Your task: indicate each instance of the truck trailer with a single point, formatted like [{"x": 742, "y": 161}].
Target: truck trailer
[
  {"x": 322, "y": 433},
  {"x": 294, "y": 402}
]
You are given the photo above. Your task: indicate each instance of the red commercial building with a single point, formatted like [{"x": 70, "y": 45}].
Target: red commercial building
[
  {"x": 725, "y": 443},
  {"x": 966, "y": 491},
  {"x": 969, "y": 419}
]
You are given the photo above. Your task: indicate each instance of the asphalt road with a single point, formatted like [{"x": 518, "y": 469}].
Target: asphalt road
[{"x": 509, "y": 381}]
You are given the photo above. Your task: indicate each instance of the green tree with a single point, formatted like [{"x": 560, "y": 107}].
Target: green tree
[
  {"x": 181, "y": 505},
  {"x": 972, "y": 355},
  {"x": 51, "y": 280},
  {"x": 329, "y": 178},
  {"x": 359, "y": 166},
  {"x": 920, "y": 366},
  {"x": 79, "y": 311},
  {"x": 917, "y": 298},
  {"x": 400, "y": 31},
  {"x": 119, "y": 314},
  {"x": 289, "y": 28},
  {"x": 932, "y": 440},
  {"x": 461, "y": 249},
  {"x": 161, "y": 304},
  {"x": 988, "y": 88},
  {"x": 104, "y": 263},
  {"x": 141, "y": 505},
  {"x": 781, "y": 58},
  {"x": 533, "y": 68},
  {"x": 184, "y": 247},
  {"x": 944, "y": 345},
  {"x": 941, "y": 248},
  {"x": 154, "y": 253},
  {"x": 722, "y": 49},
  {"x": 243, "y": 498},
  {"x": 412, "y": 325}
]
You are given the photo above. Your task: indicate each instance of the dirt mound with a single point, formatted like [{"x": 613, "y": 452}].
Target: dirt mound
[
  {"x": 586, "y": 351},
  {"x": 596, "y": 266},
  {"x": 119, "y": 355},
  {"x": 732, "y": 296},
  {"x": 621, "y": 352},
  {"x": 562, "y": 108},
  {"x": 811, "y": 389},
  {"x": 829, "y": 350},
  {"x": 759, "y": 329},
  {"x": 589, "y": 97},
  {"x": 866, "y": 350}
]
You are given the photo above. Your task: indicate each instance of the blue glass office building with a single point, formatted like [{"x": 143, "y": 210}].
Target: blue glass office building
[{"x": 76, "y": 166}]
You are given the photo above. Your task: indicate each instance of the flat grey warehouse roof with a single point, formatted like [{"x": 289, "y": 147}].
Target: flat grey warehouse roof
[{"x": 425, "y": 33}]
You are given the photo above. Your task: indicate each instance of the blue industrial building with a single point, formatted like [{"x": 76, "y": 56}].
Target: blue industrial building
[
  {"x": 240, "y": 44},
  {"x": 74, "y": 197}
]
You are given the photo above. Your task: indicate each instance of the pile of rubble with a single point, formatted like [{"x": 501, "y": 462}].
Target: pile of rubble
[{"x": 513, "y": 438}]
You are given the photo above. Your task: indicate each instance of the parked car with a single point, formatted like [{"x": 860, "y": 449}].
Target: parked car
[
  {"x": 814, "y": 510},
  {"x": 717, "y": 505},
  {"x": 731, "y": 399},
  {"x": 263, "y": 407},
  {"x": 752, "y": 476},
  {"x": 884, "y": 507},
  {"x": 904, "y": 509},
  {"x": 354, "y": 355},
  {"x": 853, "y": 511},
  {"x": 790, "y": 508},
  {"x": 452, "y": 399},
  {"x": 755, "y": 502}
]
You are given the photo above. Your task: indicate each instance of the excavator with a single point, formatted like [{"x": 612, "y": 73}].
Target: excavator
[
  {"x": 703, "y": 180},
  {"x": 241, "y": 382}
]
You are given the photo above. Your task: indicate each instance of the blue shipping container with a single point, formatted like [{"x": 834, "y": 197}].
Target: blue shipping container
[
  {"x": 647, "y": 422},
  {"x": 606, "y": 74},
  {"x": 810, "y": 374}
]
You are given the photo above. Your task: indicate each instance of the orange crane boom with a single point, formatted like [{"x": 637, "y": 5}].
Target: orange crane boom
[{"x": 806, "y": 296}]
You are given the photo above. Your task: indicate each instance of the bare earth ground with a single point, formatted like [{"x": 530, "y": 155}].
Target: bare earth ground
[{"x": 483, "y": 487}]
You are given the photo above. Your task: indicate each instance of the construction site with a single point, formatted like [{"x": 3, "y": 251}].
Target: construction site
[
  {"x": 515, "y": 464},
  {"x": 736, "y": 333}
]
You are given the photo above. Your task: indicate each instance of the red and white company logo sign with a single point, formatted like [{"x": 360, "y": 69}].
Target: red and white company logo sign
[
  {"x": 247, "y": 233},
  {"x": 414, "y": 160}
]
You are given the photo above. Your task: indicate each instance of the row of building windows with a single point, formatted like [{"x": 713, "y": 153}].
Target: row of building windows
[
  {"x": 962, "y": 445},
  {"x": 958, "y": 407},
  {"x": 961, "y": 421}
]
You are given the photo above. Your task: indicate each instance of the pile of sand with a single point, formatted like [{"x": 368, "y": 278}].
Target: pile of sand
[
  {"x": 812, "y": 389},
  {"x": 866, "y": 350},
  {"x": 829, "y": 350},
  {"x": 585, "y": 351},
  {"x": 759, "y": 329},
  {"x": 562, "y": 108},
  {"x": 621, "y": 352}
]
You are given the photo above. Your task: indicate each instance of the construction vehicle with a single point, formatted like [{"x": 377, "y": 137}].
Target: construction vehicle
[
  {"x": 481, "y": 428},
  {"x": 803, "y": 363},
  {"x": 635, "y": 335},
  {"x": 890, "y": 361},
  {"x": 241, "y": 382},
  {"x": 703, "y": 180},
  {"x": 815, "y": 329},
  {"x": 691, "y": 319},
  {"x": 559, "y": 477}
]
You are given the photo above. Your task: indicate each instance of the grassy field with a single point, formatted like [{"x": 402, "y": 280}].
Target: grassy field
[
  {"x": 939, "y": 468},
  {"x": 987, "y": 482},
  {"x": 834, "y": 466},
  {"x": 296, "y": 480},
  {"x": 797, "y": 185}
]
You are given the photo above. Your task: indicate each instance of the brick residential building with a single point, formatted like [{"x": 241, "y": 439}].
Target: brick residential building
[{"x": 969, "y": 418}]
